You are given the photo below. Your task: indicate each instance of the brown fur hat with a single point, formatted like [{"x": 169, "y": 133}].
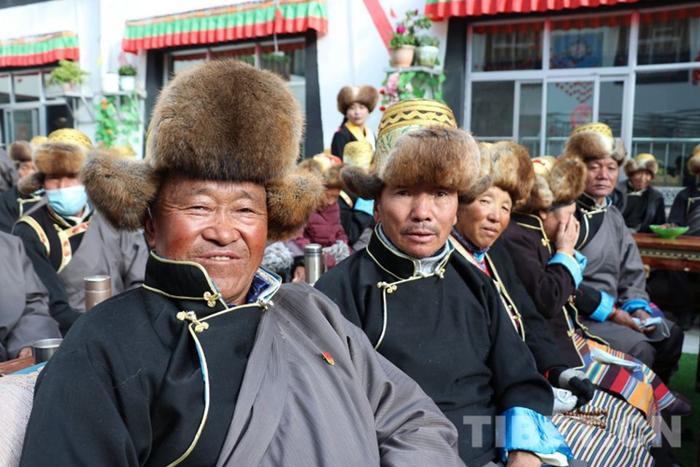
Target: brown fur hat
[
  {"x": 20, "y": 151},
  {"x": 62, "y": 154},
  {"x": 222, "y": 120},
  {"x": 510, "y": 169},
  {"x": 557, "y": 182},
  {"x": 643, "y": 161},
  {"x": 694, "y": 161},
  {"x": 365, "y": 95},
  {"x": 418, "y": 142},
  {"x": 595, "y": 141},
  {"x": 326, "y": 167}
]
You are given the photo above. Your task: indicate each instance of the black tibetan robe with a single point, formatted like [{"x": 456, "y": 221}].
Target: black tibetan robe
[
  {"x": 13, "y": 206},
  {"x": 686, "y": 209},
  {"x": 447, "y": 330},
  {"x": 642, "y": 208}
]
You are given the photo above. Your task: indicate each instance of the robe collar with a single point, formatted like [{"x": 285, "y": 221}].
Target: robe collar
[
  {"x": 399, "y": 264},
  {"x": 189, "y": 284},
  {"x": 534, "y": 223},
  {"x": 589, "y": 205}
]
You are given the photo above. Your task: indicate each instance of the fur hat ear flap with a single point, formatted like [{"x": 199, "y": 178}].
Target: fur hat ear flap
[
  {"x": 361, "y": 183},
  {"x": 290, "y": 201},
  {"x": 567, "y": 180},
  {"x": 541, "y": 196},
  {"x": 694, "y": 164},
  {"x": 120, "y": 189},
  {"x": 619, "y": 153},
  {"x": 29, "y": 184}
]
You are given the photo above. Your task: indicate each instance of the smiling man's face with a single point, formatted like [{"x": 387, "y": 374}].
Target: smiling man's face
[
  {"x": 417, "y": 219},
  {"x": 220, "y": 225}
]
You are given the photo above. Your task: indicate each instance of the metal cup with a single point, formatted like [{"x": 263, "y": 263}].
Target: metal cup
[
  {"x": 97, "y": 289},
  {"x": 313, "y": 262},
  {"x": 44, "y": 349}
]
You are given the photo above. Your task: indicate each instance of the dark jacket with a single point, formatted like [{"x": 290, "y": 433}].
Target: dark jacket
[
  {"x": 13, "y": 206},
  {"x": 354, "y": 221},
  {"x": 642, "y": 208},
  {"x": 447, "y": 331},
  {"x": 550, "y": 286},
  {"x": 686, "y": 206}
]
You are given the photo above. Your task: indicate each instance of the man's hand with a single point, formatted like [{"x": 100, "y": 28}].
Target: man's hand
[
  {"x": 642, "y": 316},
  {"x": 567, "y": 235},
  {"x": 523, "y": 459},
  {"x": 25, "y": 352},
  {"x": 623, "y": 318}
]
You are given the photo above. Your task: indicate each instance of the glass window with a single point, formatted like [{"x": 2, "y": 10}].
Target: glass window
[
  {"x": 27, "y": 87},
  {"x": 182, "y": 62},
  {"x": 5, "y": 89},
  {"x": 569, "y": 104},
  {"x": 610, "y": 105},
  {"x": 507, "y": 47},
  {"x": 589, "y": 42},
  {"x": 492, "y": 110},
  {"x": 58, "y": 116},
  {"x": 666, "y": 120},
  {"x": 530, "y": 117},
  {"x": 244, "y": 54},
  {"x": 669, "y": 36}
]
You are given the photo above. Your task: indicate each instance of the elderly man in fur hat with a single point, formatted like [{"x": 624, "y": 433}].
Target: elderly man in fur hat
[
  {"x": 431, "y": 312},
  {"x": 15, "y": 202},
  {"x": 63, "y": 236},
  {"x": 643, "y": 204},
  {"x": 614, "y": 270},
  {"x": 213, "y": 361}
]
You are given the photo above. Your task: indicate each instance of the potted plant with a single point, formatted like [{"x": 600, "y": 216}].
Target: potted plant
[
  {"x": 404, "y": 41},
  {"x": 127, "y": 78},
  {"x": 427, "y": 51},
  {"x": 67, "y": 74}
]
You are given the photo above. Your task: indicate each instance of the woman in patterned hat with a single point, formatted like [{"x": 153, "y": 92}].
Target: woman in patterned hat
[
  {"x": 355, "y": 103},
  {"x": 644, "y": 204}
]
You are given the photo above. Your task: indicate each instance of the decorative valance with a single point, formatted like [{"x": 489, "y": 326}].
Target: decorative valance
[
  {"x": 438, "y": 10},
  {"x": 39, "y": 50}
]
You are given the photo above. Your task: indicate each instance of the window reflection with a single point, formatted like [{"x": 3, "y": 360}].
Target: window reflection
[
  {"x": 589, "y": 42},
  {"x": 507, "y": 47}
]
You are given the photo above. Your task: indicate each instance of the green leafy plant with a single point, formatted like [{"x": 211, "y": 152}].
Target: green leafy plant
[
  {"x": 406, "y": 29},
  {"x": 415, "y": 84},
  {"x": 127, "y": 70},
  {"x": 67, "y": 72},
  {"x": 430, "y": 41}
]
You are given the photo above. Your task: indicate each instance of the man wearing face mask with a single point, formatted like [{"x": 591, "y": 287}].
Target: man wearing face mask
[{"x": 65, "y": 240}]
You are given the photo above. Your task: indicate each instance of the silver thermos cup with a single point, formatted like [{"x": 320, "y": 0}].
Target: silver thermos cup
[
  {"x": 313, "y": 262},
  {"x": 97, "y": 289}
]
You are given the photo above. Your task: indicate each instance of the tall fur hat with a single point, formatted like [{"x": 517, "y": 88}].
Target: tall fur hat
[
  {"x": 418, "y": 142},
  {"x": 643, "y": 161},
  {"x": 509, "y": 167},
  {"x": 20, "y": 151},
  {"x": 62, "y": 154},
  {"x": 694, "y": 161},
  {"x": 221, "y": 121},
  {"x": 595, "y": 141},
  {"x": 365, "y": 95},
  {"x": 557, "y": 182}
]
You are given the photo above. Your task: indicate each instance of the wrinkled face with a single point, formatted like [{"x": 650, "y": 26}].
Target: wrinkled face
[
  {"x": 357, "y": 114},
  {"x": 601, "y": 177},
  {"x": 417, "y": 219},
  {"x": 25, "y": 168},
  {"x": 330, "y": 197},
  {"x": 551, "y": 220},
  {"x": 220, "y": 225},
  {"x": 640, "y": 179},
  {"x": 52, "y": 182},
  {"x": 483, "y": 220}
]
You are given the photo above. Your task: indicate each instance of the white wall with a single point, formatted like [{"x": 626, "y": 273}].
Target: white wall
[{"x": 352, "y": 53}]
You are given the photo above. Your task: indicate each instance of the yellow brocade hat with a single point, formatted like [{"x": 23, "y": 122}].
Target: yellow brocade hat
[
  {"x": 594, "y": 140},
  {"x": 70, "y": 136},
  {"x": 643, "y": 161}
]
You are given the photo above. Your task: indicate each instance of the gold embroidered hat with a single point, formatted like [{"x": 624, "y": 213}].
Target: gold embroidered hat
[
  {"x": 419, "y": 142},
  {"x": 643, "y": 161},
  {"x": 595, "y": 140}
]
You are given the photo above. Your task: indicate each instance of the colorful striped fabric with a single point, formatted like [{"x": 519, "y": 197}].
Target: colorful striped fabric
[
  {"x": 214, "y": 25},
  {"x": 619, "y": 437},
  {"x": 438, "y": 10},
  {"x": 641, "y": 387},
  {"x": 38, "y": 50}
]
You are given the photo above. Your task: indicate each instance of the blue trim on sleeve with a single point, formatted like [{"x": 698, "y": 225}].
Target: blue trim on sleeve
[
  {"x": 527, "y": 430},
  {"x": 581, "y": 260},
  {"x": 570, "y": 264},
  {"x": 635, "y": 303},
  {"x": 364, "y": 205},
  {"x": 605, "y": 308}
]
